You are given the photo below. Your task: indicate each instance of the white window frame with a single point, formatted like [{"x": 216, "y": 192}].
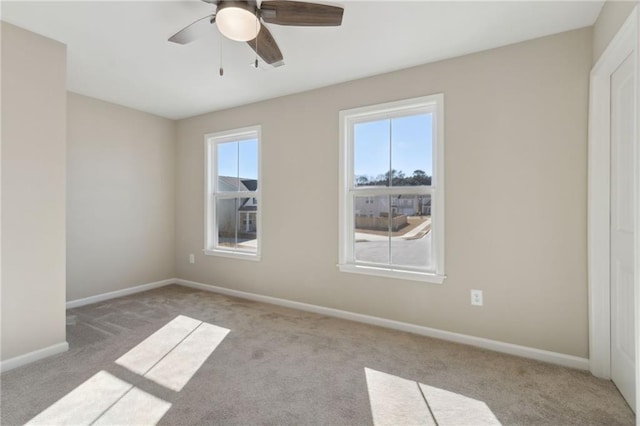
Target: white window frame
[
  {"x": 433, "y": 104},
  {"x": 212, "y": 193}
]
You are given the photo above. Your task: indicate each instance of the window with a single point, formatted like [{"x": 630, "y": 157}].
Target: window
[
  {"x": 392, "y": 189},
  {"x": 232, "y": 216}
]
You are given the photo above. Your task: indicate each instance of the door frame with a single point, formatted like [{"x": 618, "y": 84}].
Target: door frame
[{"x": 625, "y": 42}]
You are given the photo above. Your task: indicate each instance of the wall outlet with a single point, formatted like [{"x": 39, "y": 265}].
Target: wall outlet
[
  {"x": 476, "y": 297},
  {"x": 192, "y": 258}
]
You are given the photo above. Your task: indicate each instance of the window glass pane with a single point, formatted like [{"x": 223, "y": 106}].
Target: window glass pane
[
  {"x": 247, "y": 225},
  {"x": 237, "y": 223},
  {"x": 232, "y": 224},
  {"x": 226, "y": 215},
  {"x": 388, "y": 190},
  {"x": 248, "y": 164},
  {"x": 371, "y": 150},
  {"x": 227, "y": 166},
  {"x": 411, "y": 236},
  {"x": 371, "y": 223},
  {"x": 411, "y": 142}
]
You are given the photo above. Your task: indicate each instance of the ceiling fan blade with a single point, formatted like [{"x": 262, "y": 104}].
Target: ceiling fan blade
[
  {"x": 300, "y": 14},
  {"x": 268, "y": 49},
  {"x": 194, "y": 31}
]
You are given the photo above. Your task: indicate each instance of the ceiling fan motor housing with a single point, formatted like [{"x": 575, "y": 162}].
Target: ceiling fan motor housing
[{"x": 238, "y": 20}]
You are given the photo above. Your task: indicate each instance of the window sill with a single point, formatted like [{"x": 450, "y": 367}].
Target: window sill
[
  {"x": 393, "y": 273},
  {"x": 232, "y": 254}
]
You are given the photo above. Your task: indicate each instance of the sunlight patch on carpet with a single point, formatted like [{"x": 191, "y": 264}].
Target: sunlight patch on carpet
[
  {"x": 395, "y": 400},
  {"x": 177, "y": 368},
  {"x": 451, "y": 408},
  {"x": 135, "y": 408},
  {"x": 169, "y": 357},
  {"x": 173, "y": 354},
  {"x": 104, "y": 399},
  {"x": 147, "y": 353}
]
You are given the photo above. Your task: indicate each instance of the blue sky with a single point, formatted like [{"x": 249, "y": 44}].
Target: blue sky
[
  {"x": 230, "y": 152},
  {"x": 410, "y": 140}
]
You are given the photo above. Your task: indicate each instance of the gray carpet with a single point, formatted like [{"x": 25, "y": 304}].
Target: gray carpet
[{"x": 280, "y": 366}]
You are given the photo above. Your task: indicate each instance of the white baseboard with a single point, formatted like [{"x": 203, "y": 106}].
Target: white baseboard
[
  {"x": 119, "y": 293},
  {"x": 30, "y": 357},
  {"x": 494, "y": 345},
  {"x": 63, "y": 347}
]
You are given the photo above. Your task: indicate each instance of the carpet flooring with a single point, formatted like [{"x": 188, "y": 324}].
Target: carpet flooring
[{"x": 279, "y": 366}]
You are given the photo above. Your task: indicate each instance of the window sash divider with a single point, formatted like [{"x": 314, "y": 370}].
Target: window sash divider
[
  {"x": 237, "y": 194},
  {"x": 393, "y": 190}
]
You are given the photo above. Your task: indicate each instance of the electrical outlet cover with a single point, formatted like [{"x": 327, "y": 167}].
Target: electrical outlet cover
[{"x": 476, "y": 297}]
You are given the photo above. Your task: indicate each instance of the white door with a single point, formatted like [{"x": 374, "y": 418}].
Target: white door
[{"x": 622, "y": 230}]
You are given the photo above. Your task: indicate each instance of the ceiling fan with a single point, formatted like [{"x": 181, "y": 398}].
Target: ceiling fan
[{"x": 245, "y": 21}]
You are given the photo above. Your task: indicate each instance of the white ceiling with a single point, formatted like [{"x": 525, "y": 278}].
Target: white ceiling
[{"x": 118, "y": 51}]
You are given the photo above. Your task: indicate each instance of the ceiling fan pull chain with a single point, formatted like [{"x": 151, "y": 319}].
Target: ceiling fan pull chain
[
  {"x": 221, "y": 68},
  {"x": 257, "y": 32}
]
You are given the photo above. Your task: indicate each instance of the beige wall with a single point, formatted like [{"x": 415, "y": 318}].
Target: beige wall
[
  {"x": 611, "y": 18},
  {"x": 120, "y": 197},
  {"x": 516, "y": 139},
  {"x": 33, "y": 191},
  {"x": 515, "y": 209}
]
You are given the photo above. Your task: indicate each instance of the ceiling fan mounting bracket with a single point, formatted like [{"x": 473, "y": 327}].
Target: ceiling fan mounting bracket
[{"x": 249, "y": 6}]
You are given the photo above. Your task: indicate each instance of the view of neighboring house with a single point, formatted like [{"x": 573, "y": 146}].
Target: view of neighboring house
[
  {"x": 408, "y": 205},
  {"x": 373, "y": 212},
  {"x": 411, "y": 205},
  {"x": 237, "y": 214}
]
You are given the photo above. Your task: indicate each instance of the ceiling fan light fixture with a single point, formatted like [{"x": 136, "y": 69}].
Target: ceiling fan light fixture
[{"x": 237, "y": 20}]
